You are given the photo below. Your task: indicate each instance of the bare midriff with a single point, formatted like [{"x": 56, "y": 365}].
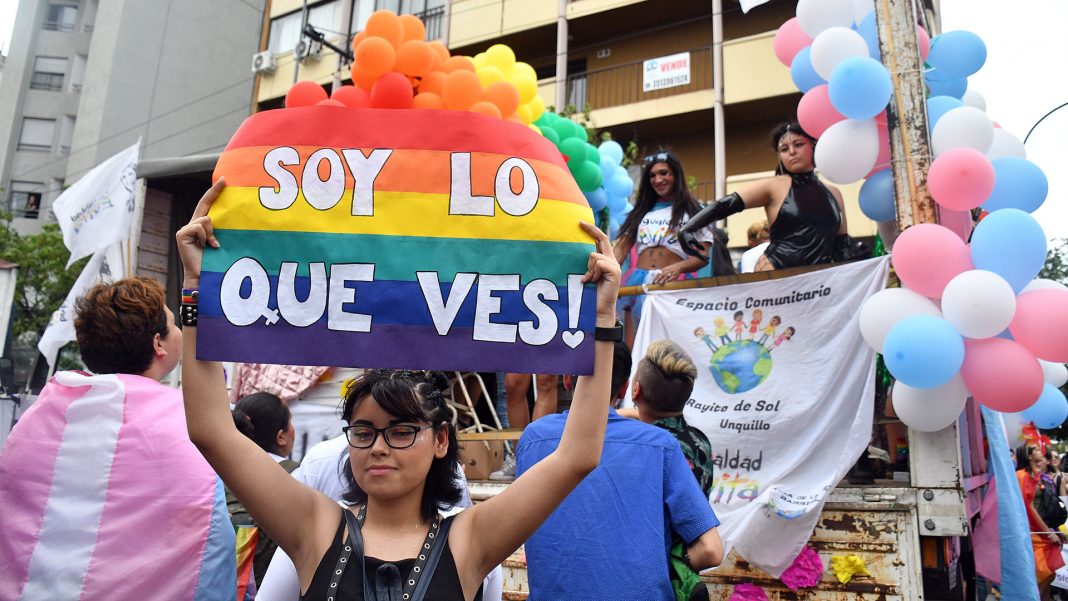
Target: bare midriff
[{"x": 657, "y": 257}]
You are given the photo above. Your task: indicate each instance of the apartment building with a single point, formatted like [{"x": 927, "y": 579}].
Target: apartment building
[{"x": 86, "y": 78}]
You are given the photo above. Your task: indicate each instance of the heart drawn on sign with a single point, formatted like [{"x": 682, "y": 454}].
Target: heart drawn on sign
[{"x": 573, "y": 339}]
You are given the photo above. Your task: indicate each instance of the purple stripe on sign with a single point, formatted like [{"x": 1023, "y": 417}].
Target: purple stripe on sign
[{"x": 390, "y": 346}]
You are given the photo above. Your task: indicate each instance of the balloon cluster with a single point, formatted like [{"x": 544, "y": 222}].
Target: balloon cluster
[
  {"x": 572, "y": 140},
  {"x": 615, "y": 187},
  {"x": 395, "y": 68}
]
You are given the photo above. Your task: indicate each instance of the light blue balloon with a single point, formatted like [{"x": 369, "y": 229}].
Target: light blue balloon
[
  {"x": 1018, "y": 184},
  {"x": 957, "y": 53},
  {"x": 1049, "y": 411},
  {"x": 1010, "y": 243},
  {"x": 942, "y": 85},
  {"x": 611, "y": 149},
  {"x": 923, "y": 351},
  {"x": 869, "y": 30},
  {"x": 607, "y": 166},
  {"x": 860, "y": 87},
  {"x": 801, "y": 71},
  {"x": 616, "y": 203},
  {"x": 938, "y": 106},
  {"x": 613, "y": 229},
  {"x": 598, "y": 199},
  {"x": 877, "y": 197},
  {"x": 619, "y": 185}
]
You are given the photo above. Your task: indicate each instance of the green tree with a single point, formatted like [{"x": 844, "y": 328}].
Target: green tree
[{"x": 1056, "y": 267}]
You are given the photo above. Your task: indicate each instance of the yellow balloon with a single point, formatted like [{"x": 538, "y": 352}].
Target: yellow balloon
[
  {"x": 535, "y": 128},
  {"x": 527, "y": 89},
  {"x": 524, "y": 71},
  {"x": 500, "y": 56},
  {"x": 523, "y": 112},
  {"x": 489, "y": 75},
  {"x": 537, "y": 107},
  {"x": 480, "y": 60}
]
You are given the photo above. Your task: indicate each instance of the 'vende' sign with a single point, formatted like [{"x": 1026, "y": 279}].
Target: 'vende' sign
[{"x": 666, "y": 72}]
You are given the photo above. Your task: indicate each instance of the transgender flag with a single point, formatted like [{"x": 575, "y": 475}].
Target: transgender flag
[{"x": 104, "y": 497}]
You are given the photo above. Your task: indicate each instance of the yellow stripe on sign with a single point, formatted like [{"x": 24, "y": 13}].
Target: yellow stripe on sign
[{"x": 402, "y": 214}]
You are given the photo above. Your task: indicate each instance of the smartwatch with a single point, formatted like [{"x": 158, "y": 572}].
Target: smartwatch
[{"x": 613, "y": 334}]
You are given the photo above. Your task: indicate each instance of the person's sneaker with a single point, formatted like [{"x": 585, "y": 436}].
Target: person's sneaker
[{"x": 507, "y": 471}]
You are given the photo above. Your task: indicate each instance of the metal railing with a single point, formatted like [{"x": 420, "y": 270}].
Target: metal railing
[
  {"x": 58, "y": 26},
  {"x": 622, "y": 84},
  {"x": 434, "y": 20},
  {"x": 49, "y": 82},
  {"x": 33, "y": 147}
]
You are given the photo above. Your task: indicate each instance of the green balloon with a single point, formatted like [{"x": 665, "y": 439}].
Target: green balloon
[
  {"x": 592, "y": 154},
  {"x": 587, "y": 176},
  {"x": 545, "y": 120},
  {"x": 579, "y": 131},
  {"x": 563, "y": 128},
  {"x": 575, "y": 150},
  {"x": 550, "y": 134}
]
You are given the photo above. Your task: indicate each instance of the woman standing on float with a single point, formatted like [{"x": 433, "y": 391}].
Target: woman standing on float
[
  {"x": 402, "y": 458},
  {"x": 662, "y": 206},
  {"x": 807, "y": 223}
]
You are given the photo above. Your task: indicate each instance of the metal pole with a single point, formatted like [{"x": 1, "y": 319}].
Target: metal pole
[
  {"x": 910, "y": 149},
  {"x": 303, "y": 22},
  {"x": 346, "y": 18},
  {"x": 719, "y": 135},
  {"x": 561, "y": 55}
]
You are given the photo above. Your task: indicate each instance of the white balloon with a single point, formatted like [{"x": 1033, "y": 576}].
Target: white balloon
[
  {"x": 1005, "y": 144},
  {"x": 974, "y": 99},
  {"x": 834, "y": 45},
  {"x": 929, "y": 409},
  {"x": 1042, "y": 284},
  {"x": 847, "y": 151},
  {"x": 885, "y": 308},
  {"x": 964, "y": 126},
  {"x": 861, "y": 9},
  {"x": 1014, "y": 424},
  {"x": 979, "y": 303},
  {"x": 1056, "y": 373},
  {"x": 816, "y": 15}
]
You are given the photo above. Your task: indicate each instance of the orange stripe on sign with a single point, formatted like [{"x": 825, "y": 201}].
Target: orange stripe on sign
[{"x": 415, "y": 171}]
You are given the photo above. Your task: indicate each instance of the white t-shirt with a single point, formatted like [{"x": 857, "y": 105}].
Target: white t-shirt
[
  {"x": 653, "y": 231},
  {"x": 321, "y": 470},
  {"x": 751, "y": 256}
]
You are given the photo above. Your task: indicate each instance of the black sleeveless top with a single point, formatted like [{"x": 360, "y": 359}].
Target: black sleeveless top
[
  {"x": 444, "y": 586},
  {"x": 805, "y": 229}
]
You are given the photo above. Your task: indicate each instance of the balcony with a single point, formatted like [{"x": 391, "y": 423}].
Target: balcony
[
  {"x": 58, "y": 26},
  {"x": 434, "y": 21},
  {"x": 48, "y": 82}
]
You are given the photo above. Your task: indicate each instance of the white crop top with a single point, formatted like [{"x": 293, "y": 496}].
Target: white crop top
[{"x": 653, "y": 231}]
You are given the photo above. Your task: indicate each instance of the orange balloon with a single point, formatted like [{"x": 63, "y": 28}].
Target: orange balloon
[
  {"x": 307, "y": 93},
  {"x": 359, "y": 37},
  {"x": 363, "y": 80},
  {"x": 485, "y": 108},
  {"x": 440, "y": 50},
  {"x": 427, "y": 100},
  {"x": 413, "y": 28},
  {"x": 415, "y": 58},
  {"x": 375, "y": 56},
  {"x": 352, "y": 97},
  {"x": 432, "y": 82},
  {"x": 504, "y": 96},
  {"x": 455, "y": 63},
  {"x": 461, "y": 90},
  {"x": 385, "y": 24}
]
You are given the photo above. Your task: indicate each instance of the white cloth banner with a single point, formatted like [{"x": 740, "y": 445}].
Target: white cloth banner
[
  {"x": 784, "y": 392},
  {"x": 748, "y": 5},
  {"x": 105, "y": 266},
  {"x": 97, "y": 210}
]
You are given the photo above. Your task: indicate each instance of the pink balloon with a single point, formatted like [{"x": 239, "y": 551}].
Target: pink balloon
[
  {"x": 960, "y": 179},
  {"x": 1001, "y": 374},
  {"x": 924, "y": 40},
  {"x": 789, "y": 40},
  {"x": 815, "y": 112},
  {"x": 1041, "y": 323},
  {"x": 927, "y": 256}
]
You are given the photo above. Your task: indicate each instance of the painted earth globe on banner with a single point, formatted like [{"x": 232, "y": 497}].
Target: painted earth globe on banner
[{"x": 740, "y": 366}]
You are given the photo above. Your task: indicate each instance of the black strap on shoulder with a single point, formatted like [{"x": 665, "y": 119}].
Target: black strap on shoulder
[{"x": 436, "y": 546}]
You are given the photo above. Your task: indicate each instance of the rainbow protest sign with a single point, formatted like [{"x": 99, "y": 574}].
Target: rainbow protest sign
[{"x": 409, "y": 239}]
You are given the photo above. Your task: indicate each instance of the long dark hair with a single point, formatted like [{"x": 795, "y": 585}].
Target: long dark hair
[
  {"x": 722, "y": 264},
  {"x": 683, "y": 204},
  {"x": 414, "y": 396},
  {"x": 786, "y": 127},
  {"x": 260, "y": 416}
]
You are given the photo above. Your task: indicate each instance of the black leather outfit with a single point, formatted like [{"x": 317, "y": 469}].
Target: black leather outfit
[{"x": 805, "y": 229}]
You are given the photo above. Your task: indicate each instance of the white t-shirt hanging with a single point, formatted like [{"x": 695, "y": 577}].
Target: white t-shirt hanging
[{"x": 653, "y": 231}]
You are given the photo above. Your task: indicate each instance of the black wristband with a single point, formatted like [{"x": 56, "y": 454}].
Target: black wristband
[
  {"x": 613, "y": 334},
  {"x": 187, "y": 314}
]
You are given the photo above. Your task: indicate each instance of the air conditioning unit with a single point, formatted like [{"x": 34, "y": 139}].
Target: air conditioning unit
[
  {"x": 308, "y": 50},
  {"x": 263, "y": 62}
]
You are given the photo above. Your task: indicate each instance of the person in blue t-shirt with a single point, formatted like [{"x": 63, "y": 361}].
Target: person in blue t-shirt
[{"x": 610, "y": 538}]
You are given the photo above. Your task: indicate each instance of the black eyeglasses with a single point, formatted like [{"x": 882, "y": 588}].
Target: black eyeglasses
[
  {"x": 659, "y": 157},
  {"x": 397, "y": 437}
]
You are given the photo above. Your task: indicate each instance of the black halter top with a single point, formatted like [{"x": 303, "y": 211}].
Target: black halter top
[{"x": 804, "y": 230}]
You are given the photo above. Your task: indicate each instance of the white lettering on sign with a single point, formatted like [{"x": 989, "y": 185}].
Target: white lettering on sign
[
  {"x": 516, "y": 203},
  {"x": 341, "y": 294},
  {"x": 364, "y": 171},
  {"x": 666, "y": 72},
  {"x": 281, "y": 196},
  {"x": 487, "y": 305},
  {"x": 246, "y": 310},
  {"x": 323, "y": 194},
  {"x": 443, "y": 312},
  {"x": 308, "y": 311},
  {"x": 462, "y": 201},
  {"x": 534, "y": 296}
]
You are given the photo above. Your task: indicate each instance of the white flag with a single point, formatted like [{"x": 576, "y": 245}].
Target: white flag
[
  {"x": 105, "y": 266},
  {"x": 97, "y": 210},
  {"x": 748, "y": 5}
]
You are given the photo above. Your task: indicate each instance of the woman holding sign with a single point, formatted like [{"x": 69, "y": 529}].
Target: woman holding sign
[
  {"x": 391, "y": 542},
  {"x": 648, "y": 234}
]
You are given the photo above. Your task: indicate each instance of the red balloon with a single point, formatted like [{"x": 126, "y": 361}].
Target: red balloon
[
  {"x": 1041, "y": 323},
  {"x": 330, "y": 102},
  {"x": 392, "y": 91},
  {"x": 352, "y": 97},
  {"x": 1001, "y": 374},
  {"x": 304, "y": 93}
]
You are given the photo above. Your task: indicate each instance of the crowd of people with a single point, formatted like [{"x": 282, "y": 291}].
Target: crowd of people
[{"x": 382, "y": 510}]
